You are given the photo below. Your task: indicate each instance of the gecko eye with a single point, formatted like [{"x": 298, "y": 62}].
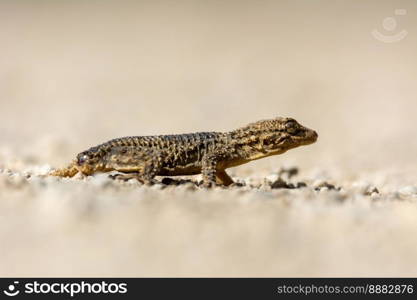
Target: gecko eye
[
  {"x": 82, "y": 159},
  {"x": 291, "y": 127}
]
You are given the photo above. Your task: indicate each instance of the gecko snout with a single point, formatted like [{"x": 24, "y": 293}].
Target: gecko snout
[
  {"x": 302, "y": 135},
  {"x": 311, "y": 136},
  {"x": 315, "y": 135}
]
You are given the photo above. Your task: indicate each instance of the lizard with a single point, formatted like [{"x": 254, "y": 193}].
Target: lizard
[{"x": 206, "y": 153}]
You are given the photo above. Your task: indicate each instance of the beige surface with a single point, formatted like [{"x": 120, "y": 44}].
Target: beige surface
[{"x": 76, "y": 73}]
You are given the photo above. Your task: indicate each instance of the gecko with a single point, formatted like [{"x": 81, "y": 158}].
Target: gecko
[{"x": 206, "y": 153}]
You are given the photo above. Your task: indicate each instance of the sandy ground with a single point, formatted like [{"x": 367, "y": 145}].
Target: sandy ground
[{"x": 75, "y": 74}]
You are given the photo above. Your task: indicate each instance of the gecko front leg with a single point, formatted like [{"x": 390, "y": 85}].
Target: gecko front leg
[
  {"x": 145, "y": 169},
  {"x": 212, "y": 175},
  {"x": 222, "y": 178},
  {"x": 208, "y": 170}
]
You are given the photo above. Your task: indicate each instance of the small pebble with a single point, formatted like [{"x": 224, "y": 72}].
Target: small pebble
[
  {"x": 281, "y": 184},
  {"x": 38, "y": 170},
  {"x": 16, "y": 180},
  {"x": 320, "y": 185},
  {"x": 156, "y": 186},
  {"x": 101, "y": 180},
  {"x": 365, "y": 188},
  {"x": 169, "y": 181},
  {"x": 370, "y": 190},
  {"x": 189, "y": 186},
  {"x": 408, "y": 190},
  {"x": 272, "y": 177}
]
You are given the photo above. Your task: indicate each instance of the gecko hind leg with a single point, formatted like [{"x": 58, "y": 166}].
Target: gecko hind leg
[
  {"x": 125, "y": 176},
  {"x": 223, "y": 178},
  {"x": 146, "y": 174},
  {"x": 138, "y": 176},
  {"x": 145, "y": 171}
]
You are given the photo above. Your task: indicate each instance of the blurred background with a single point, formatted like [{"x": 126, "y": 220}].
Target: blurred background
[
  {"x": 83, "y": 72},
  {"x": 74, "y": 74}
]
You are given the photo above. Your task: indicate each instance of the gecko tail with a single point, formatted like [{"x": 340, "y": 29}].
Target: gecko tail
[{"x": 69, "y": 171}]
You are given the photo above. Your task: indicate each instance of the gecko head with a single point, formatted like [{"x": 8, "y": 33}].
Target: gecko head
[
  {"x": 297, "y": 134},
  {"x": 278, "y": 135},
  {"x": 88, "y": 161}
]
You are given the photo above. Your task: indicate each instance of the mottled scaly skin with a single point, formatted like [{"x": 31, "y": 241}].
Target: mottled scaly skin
[{"x": 208, "y": 153}]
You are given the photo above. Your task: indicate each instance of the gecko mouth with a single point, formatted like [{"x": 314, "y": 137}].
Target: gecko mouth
[
  {"x": 302, "y": 137},
  {"x": 309, "y": 136}
]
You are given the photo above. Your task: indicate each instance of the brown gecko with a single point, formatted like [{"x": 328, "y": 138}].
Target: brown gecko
[{"x": 208, "y": 153}]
